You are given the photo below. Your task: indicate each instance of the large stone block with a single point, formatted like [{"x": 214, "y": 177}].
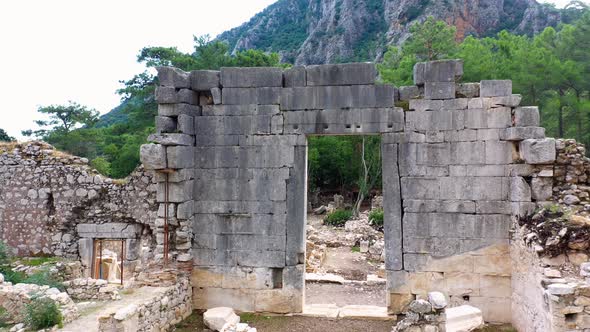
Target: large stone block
[
  {"x": 438, "y": 71},
  {"x": 495, "y": 88},
  {"x": 473, "y": 188},
  {"x": 409, "y": 92},
  {"x": 538, "y": 151},
  {"x": 153, "y": 156},
  {"x": 173, "y": 77},
  {"x": 204, "y": 80},
  {"x": 295, "y": 76},
  {"x": 527, "y": 116},
  {"x": 508, "y": 101},
  {"x": 246, "y": 96},
  {"x": 177, "y": 109},
  {"x": 177, "y": 192},
  {"x": 252, "y": 77},
  {"x": 439, "y": 90},
  {"x": 186, "y": 124},
  {"x": 172, "y": 139},
  {"x": 341, "y": 74},
  {"x": 520, "y": 191},
  {"x": 165, "y": 124},
  {"x": 467, "y": 90},
  {"x": 499, "y": 152},
  {"x": 492, "y": 118},
  {"x": 542, "y": 188},
  {"x": 181, "y": 157},
  {"x": 522, "y": 133},
  {"x": 435, "y": 120}
]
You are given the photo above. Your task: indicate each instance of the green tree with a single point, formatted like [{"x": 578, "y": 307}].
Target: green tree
[
  {"x": 4, "y": 136},
  {"x": 63, "y": 119},
  {"x": 429, "y": 40}
]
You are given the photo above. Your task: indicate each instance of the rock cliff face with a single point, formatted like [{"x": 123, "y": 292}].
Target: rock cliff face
[{"x": 329, "y": 31}]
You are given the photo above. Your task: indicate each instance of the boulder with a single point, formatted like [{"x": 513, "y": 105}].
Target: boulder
[
  {"x": 437, "y": 299},
  {"x": 216, "y": 318}
]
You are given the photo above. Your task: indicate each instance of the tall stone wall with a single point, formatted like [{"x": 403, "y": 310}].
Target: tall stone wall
[
  {"x": 458, "y": 164},
  {"x": 52, "y": 203}
]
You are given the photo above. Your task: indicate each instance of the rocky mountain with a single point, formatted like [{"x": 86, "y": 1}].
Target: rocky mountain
[{"x": 329, "y": 31}]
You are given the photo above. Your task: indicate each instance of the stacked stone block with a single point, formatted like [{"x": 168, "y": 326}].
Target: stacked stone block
[{"x": 458, "y": 164}]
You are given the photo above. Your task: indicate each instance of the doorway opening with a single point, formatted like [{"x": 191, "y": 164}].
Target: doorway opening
[
  {"x": 345, "y": 256},
  {"x": 108, "y": 257}
]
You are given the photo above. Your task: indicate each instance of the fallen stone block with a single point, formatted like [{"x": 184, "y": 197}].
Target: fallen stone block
[
  {"x": 495, "y": 88},
  {"x": 463, "y": 318},
  {"x": 538, "y": 151},
  {"x": 216, "y": 318},
  {"x": 341, "y": 74}
]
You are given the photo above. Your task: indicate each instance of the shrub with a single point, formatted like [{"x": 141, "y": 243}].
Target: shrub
[
  {"x": 5, "y": 254},
  {"x": 44, "y": 278},
  {"x": 15, "y": 277},
  {"x": 4, "y": 317},
  {"x": 42, "y": 313},
  {"x": 338, "y": 218},
  {"x": 376, "y": 217}
]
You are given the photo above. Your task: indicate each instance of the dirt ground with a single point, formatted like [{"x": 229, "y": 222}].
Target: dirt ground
[
  {"x": 308, "y": 324},
  {"x": 347, "y": 294}
]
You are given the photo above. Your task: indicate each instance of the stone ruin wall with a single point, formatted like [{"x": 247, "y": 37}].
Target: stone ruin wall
[
  {"x": 460, "y": 161},
  {"x": 52, "y": 203}
]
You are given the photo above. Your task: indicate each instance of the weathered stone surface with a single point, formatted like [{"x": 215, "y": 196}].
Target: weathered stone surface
[
  {"x": 495, "y": 88},
  {"x": 538, "y": 151},
  {"x": 246, "y": 96},
  {"x": 186, "y": 124},
  {"x": 172, "y": 139},
  {"x": 409, "y": 92},
  {"x": 522, "y": 133},
  {"x": 177, "y": 109},
  {"x": 252, "y": 77},
  {"x": 295, "y": 76},
  {"x": 341, "y": 74},
  {"x": 165, "y": 124},
  {"x": 173, "y": 77},
  {"x": 439, "y": 90},
  {"x": 527, "y": 116},
  {"x": 180, "y": 157},
  {"x": 204, "y": 80},
  {"x": 153, "y": 156},
  {"x": 542, "y": 188},
  {"x": 520, "y": 191},
  {"x": 438, "y": 71},
  {"x": 467, "y": 90}
]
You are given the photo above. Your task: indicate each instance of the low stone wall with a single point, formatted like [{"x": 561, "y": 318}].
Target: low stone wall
[
  {"x": 168, "y": 306},
  {"x": 91, "y": 289},
  {"x": 14, "y": 299}
]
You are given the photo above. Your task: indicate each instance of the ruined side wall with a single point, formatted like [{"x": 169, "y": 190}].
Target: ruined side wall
[{"x": 45, "y": 195}]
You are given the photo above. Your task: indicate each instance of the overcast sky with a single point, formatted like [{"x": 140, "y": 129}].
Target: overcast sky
[{"x": 60, "y": 50}]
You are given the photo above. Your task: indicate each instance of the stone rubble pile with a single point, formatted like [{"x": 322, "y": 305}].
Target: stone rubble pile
[
  {"x": 91, "y": 289},
  {"x": 224, "y": 319},
  {"x": 424, "y": 315},
  {"x": 14, "y": 298},
  {"x": 571, "y": 174},
  {"x": 168, "y": 306}
]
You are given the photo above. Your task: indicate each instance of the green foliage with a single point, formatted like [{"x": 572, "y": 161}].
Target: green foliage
[
  {"x": 355, "y": 249},
  {"x": 338, "y": 218},
  {"x": 430, "y": 40},
  {"x": 4, "y": 136},
  {"x": 38, "y": 261},
  {"x": 5, "y": 254},
  {"x": 43, "y": 313},
  {"x": 44, "y": 278},
  {"x": 551, "y": 69},
  {"x": 376, "y": 217},
  {"x": 4, "y": 317},
  {"x": 334, "y": 162},
  {"x": 62, "y": 119}
]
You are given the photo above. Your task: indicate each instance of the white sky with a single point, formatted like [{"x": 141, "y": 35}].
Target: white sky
[{"x": 60, "y": 50}]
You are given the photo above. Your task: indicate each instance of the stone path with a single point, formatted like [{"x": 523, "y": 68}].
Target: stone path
[{"x": 88, "y": 320}]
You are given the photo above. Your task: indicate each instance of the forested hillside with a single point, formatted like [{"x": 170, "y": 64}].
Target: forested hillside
[{"x": 332, "y": 31}]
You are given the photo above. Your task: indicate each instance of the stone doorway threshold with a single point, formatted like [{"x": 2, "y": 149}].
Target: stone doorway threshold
[{"x": 347, "y": 312}]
